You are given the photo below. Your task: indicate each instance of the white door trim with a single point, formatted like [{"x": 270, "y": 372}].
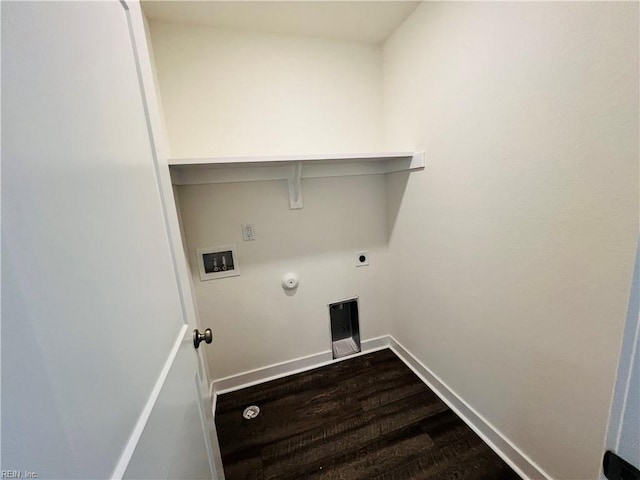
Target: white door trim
[
  {"x": 142, "y": 51},
  {"x": 130, "y": 447},
  {"x": 151, "y": 114},
  {"x": 621, "y": 408}
]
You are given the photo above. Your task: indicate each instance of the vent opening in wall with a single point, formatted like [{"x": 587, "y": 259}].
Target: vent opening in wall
[{"x": 345, "y": 328}]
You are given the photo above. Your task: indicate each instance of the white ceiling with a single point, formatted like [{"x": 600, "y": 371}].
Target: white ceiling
[{"x": 361, "y": 21}]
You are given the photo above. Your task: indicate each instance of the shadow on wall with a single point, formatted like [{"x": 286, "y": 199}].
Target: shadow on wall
[{"x": 396, "y": 186}]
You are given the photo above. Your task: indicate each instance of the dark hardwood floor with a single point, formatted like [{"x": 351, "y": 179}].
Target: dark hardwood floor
[{"x": 369, "y": 417}]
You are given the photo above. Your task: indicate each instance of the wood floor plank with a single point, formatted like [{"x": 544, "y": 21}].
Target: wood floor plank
[
  {"x": 365, "y": 463},
  {"x": 369, "y": 417},
  {"x": 438, "y": 463},
  {"x": 347, "y": 424},
  {"x": 336, "y": 441}
]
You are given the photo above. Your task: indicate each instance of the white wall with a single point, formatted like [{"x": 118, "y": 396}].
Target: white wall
[
  {"x": 228, "y": 92},
  {"x": 232, "y": 92},
  {"x": 514, "y": 248},
  {"x": 517, "y": 243},
  {"x": 255, "y": 323}
]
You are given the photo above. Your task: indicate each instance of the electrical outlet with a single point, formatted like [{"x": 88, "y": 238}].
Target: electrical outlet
[
  {"x": 248, "y": 233},
  {"x": 362, "y": 259}
]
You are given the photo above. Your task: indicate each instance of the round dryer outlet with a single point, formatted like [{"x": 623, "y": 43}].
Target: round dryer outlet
[{"x": 362, "y": 259}]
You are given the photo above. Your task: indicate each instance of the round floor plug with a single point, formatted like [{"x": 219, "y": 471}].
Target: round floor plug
[
  {"x": 290, "y": 281},
  {"x": 251, "y": 412}
]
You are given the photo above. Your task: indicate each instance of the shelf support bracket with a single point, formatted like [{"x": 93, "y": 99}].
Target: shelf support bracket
[{"x": 295, "y": 186}]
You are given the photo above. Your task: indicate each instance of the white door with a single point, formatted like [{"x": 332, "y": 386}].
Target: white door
[{"x": 99, "y": 375}]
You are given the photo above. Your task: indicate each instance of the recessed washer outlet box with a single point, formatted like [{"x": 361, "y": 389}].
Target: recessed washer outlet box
[{"x": 217, "y": 262}]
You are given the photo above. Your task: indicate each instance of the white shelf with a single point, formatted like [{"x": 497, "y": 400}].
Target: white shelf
[
  {"x": 293, "y": 168},
  {"x": 369, "y": 157}
]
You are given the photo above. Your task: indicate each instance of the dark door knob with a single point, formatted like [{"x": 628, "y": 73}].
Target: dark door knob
[{"x": 198, "y": 337}]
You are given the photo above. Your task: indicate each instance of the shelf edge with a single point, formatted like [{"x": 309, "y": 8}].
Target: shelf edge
[{"x": 372, "y": 156}]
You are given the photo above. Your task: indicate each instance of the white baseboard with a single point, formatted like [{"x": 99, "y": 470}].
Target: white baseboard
[
  {"x": 511, "y": 454},
  {"x": 283, "y": 369}
]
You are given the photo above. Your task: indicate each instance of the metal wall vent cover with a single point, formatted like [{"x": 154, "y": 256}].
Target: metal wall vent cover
[{"x": 251, "y": 412}]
